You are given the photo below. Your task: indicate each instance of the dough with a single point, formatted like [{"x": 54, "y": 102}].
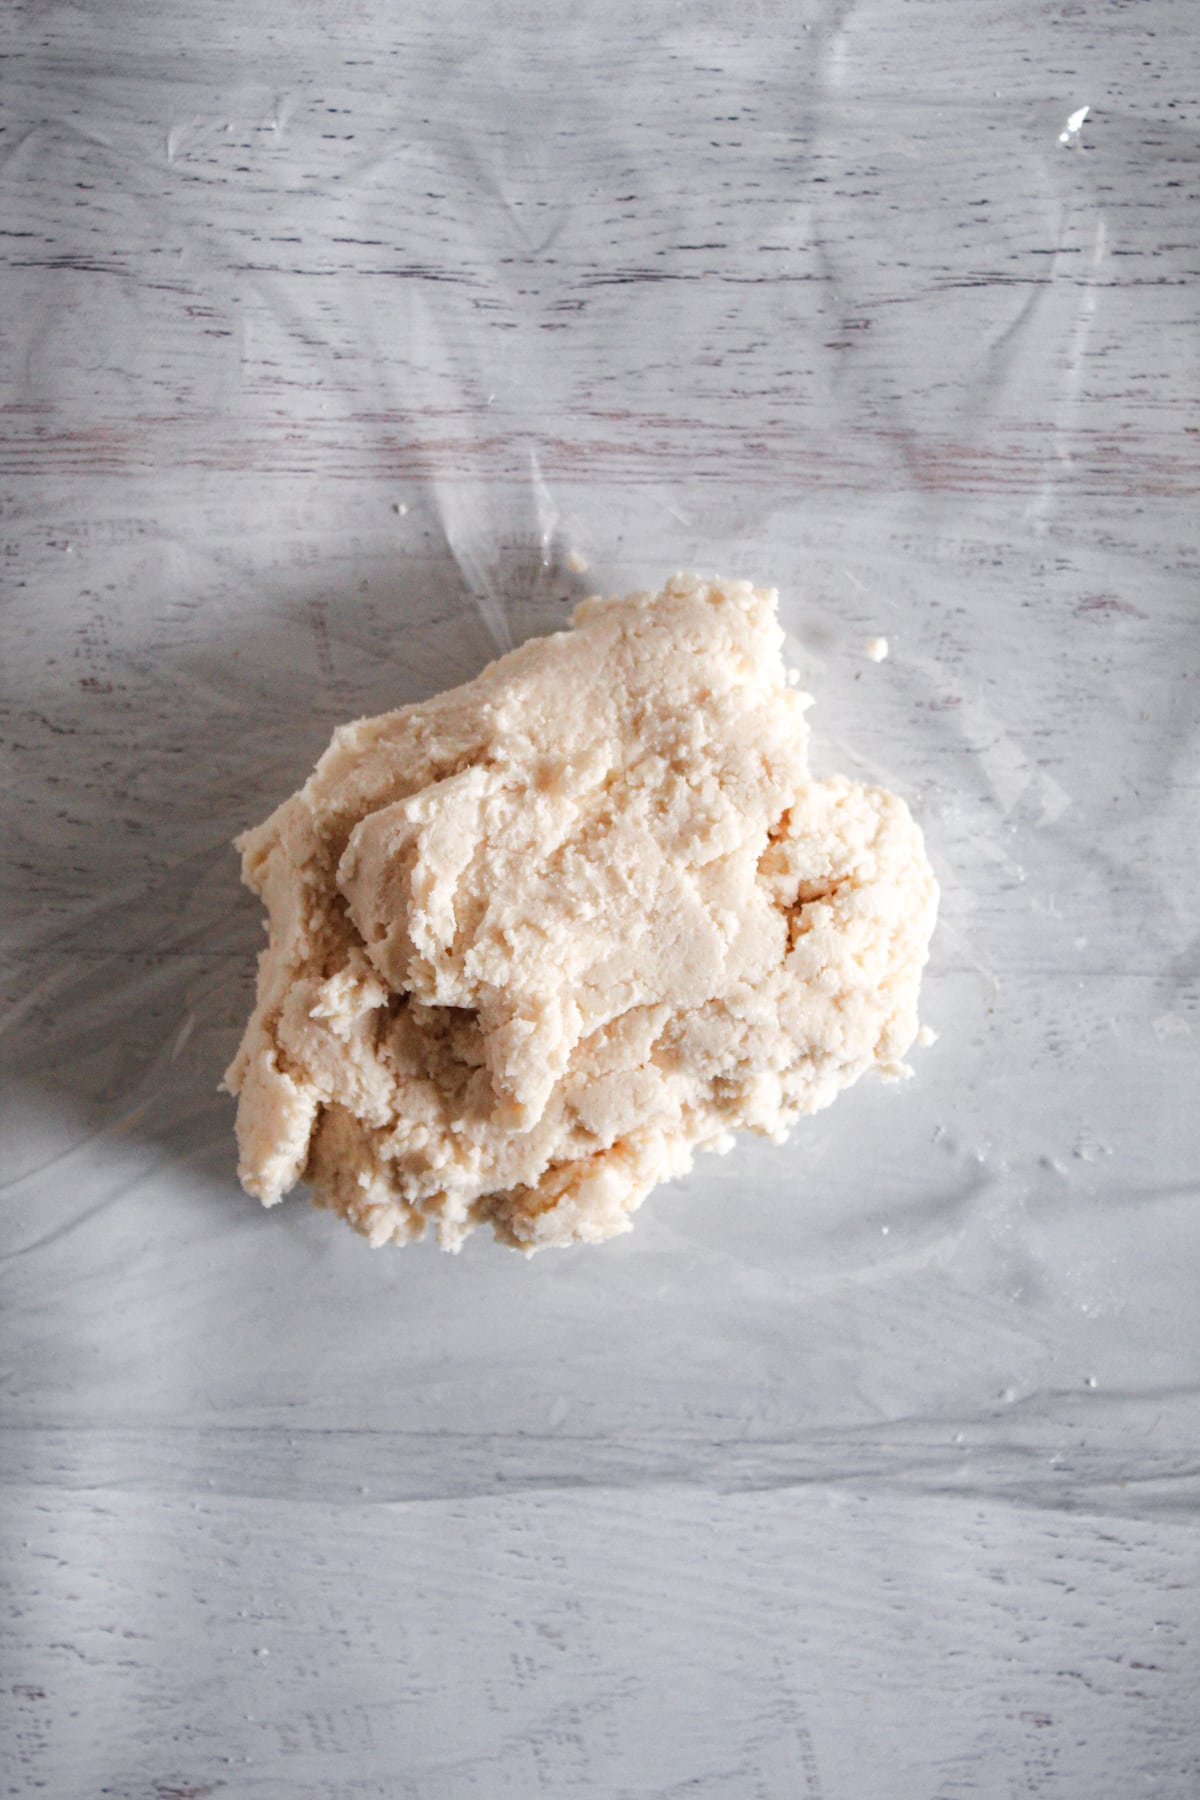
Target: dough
[{"x": 535, "y": 941}]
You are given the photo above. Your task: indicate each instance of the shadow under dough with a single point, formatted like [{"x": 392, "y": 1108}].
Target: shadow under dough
[{"x": 134, "y": 961}]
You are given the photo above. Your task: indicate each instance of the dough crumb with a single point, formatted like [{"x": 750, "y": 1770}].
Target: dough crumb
[
  {"x": 927, "y": 1037},
  {"x": 577, "y": 562},
  {"x": 876, "y": 648},
  {"x": 535, "y": 942}
]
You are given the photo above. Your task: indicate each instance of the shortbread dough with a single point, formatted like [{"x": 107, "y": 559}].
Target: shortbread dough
[{"x": 535, "y": 941}]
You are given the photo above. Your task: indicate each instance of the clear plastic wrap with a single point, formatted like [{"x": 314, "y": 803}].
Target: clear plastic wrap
[{"x": 332, "y": 348}]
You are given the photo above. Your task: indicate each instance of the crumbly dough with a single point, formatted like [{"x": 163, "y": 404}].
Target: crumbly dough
[{"x": 535, "y": 941}]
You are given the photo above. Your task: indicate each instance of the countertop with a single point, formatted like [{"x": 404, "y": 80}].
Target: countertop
[{"x": 334, "y": 338}]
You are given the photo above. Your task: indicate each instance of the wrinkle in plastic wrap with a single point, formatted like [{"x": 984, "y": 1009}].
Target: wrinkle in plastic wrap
[{"x": 330, "y": 356}]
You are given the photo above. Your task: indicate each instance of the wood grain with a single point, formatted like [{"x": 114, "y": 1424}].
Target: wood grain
[{"x": 862, "y": 1468}]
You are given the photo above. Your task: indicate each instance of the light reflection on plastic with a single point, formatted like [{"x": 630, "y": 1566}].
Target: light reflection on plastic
[{"x": 1074, "y": 124}]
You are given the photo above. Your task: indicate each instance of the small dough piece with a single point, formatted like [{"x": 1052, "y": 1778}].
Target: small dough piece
[{"x": 535, "y": 941}]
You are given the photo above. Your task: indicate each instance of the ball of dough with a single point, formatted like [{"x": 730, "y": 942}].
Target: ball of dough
[{"x": 535, "y": 941}]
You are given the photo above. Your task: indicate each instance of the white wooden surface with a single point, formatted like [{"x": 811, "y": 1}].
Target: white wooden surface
[{"x": 864, "y": 1468}]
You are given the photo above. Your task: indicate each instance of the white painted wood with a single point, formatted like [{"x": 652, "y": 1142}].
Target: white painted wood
[{"x": 863, "y": 1468}]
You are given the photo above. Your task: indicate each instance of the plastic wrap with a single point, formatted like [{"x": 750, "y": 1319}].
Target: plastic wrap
[{"x": 334, "y": 341}]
